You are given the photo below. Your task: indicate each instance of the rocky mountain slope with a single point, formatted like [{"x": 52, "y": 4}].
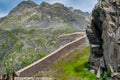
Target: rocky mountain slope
[
  {"x": 29, "y": 15},
  {"x": 30, "y": 31}
]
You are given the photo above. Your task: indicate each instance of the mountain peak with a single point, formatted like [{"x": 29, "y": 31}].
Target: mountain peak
[
  {"x": 22, "y": 6},
  {"x": 43, "y": 4},
  {"x": 58, "y": 5}
]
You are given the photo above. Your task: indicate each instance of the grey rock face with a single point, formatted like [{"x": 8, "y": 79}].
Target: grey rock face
[{"x": 104, "y": 35}]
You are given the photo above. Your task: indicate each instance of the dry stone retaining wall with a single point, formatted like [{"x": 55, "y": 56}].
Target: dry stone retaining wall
[
  {"x": 71, "y": 36},
  {"x": 44, "y": 63}
]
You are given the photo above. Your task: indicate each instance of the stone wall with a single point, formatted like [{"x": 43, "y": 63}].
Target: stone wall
[
  {"x": 71, "y": 36},
  {"x": 44, "y": 63}
]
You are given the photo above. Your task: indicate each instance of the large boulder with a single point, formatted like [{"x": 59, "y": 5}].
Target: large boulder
[{"x": 104, "y": 36}]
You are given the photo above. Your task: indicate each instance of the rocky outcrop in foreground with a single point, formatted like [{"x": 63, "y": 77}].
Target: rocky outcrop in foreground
[{"x": 104, "y": 36}]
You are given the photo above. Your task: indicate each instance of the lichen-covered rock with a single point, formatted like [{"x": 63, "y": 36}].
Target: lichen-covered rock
[{"x": 104, "y": 37}]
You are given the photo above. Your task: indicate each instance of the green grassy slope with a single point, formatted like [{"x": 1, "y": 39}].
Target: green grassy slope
[
  {"x": 72, "y": 67},
  {"x": 21, "y": 47}
]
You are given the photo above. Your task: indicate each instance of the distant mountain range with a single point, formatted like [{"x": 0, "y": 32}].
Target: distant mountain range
[
  {"x": 30, "y": 31},
  {"x": 30, "y": 15}
]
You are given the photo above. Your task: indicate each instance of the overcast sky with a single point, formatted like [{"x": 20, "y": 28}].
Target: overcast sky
[{"x": 84, "y": 5}]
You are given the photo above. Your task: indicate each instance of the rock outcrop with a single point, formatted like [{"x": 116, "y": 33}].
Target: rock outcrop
[{"x": 104, "y": 36}]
